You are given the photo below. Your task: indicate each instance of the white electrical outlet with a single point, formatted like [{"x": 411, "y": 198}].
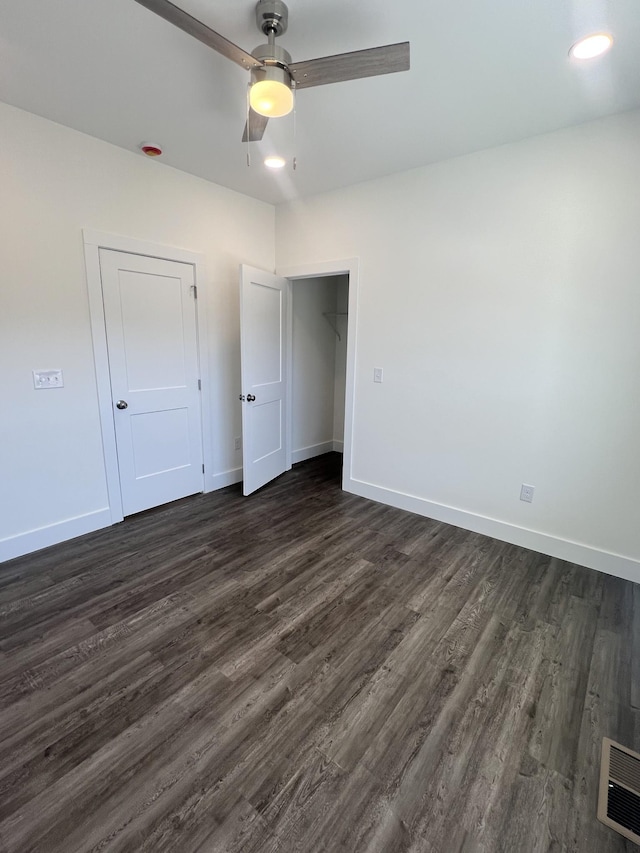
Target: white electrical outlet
[
  {"x": 377, "y": 374},
  {"x": 47, "y": 379},
  {"x": 238, "y": 443},
  {"x": 526, "y": 493}
]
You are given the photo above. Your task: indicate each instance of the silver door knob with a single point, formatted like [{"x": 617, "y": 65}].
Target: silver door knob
[
  {"x": 251, "y": 398},
  {"x": 121, "y": 404}
]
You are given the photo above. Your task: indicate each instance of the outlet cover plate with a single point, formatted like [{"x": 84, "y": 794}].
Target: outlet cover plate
[{"x": 526, "y": 493}]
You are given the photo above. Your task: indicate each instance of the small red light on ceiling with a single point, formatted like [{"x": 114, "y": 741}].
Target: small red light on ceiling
[{"x": 150, "y": 149}]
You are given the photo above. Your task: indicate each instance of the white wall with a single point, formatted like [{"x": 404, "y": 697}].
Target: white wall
[
  {"x": 313, "y": 367},
  {"x": 55, "y": 182},
  {"x": 500, "y": 292}
]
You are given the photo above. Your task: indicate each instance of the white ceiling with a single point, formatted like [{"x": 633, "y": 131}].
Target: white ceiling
[{"x": 483, "y": 73}]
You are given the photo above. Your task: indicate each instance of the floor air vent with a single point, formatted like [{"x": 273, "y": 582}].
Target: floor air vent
[{"x": 619, "y": 799}]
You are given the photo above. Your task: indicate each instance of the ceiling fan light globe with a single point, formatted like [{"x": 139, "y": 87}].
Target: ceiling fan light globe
[{"x": 271, "y": 98}]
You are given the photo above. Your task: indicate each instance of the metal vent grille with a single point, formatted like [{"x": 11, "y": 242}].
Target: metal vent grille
[{"x": 619, "y": 798}]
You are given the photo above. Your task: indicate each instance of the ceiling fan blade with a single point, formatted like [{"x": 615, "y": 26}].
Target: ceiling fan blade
[
  {"x": 255, "y": 127},
  {"x": 350, "y": 66},
  {"x": 181, "y": 19}
]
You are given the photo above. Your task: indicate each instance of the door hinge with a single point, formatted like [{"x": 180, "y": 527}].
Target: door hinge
[
  {"x": 199, "y": 384},
  {"x": 203, "y": 467},
  {"x": 194, "y": 288}
]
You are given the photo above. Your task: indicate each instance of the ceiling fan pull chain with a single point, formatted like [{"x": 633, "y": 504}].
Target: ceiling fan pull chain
[
  {"x": 295, "y": 126},
  {"x": 248, "y": 126}
]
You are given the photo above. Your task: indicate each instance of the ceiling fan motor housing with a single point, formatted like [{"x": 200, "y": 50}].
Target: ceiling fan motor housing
[
  {"x": 272, "y": 17},
  {"x": 276, "y": 61},
  {"x": 272, "y": 54}
]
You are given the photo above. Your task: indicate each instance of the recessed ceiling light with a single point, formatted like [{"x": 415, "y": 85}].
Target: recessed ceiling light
[
  {"x": 591, "y": 46},
  {"x": 274, "y": 162}
]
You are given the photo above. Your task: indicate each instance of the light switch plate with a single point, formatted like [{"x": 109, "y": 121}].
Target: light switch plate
[
  {"x": 377, "y": 374},
  {"x": 47, "y": 379}
]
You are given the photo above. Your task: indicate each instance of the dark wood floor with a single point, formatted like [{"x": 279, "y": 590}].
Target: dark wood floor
[{"x": 304, "y": 670}]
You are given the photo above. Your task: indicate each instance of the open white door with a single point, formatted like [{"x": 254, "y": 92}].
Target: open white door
[{"x": 263, "y": 328}]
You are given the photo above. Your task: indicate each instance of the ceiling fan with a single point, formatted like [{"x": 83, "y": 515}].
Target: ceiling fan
[{"x": 273, "y": 74}]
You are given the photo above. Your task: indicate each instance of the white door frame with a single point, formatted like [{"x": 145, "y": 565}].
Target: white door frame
[
  {"x": 349, "y": 267},
  {"x": 93, "y": 242}
]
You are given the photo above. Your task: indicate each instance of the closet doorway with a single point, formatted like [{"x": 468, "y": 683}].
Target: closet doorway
[
  {"x": 318, "y": 365},
  {"x": 298, "y": 343}
]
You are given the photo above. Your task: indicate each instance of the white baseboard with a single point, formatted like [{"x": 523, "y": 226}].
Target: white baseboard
[
  {"x": 52, "y": 534},
  {"x": 226, "y": 478},
  {"x": 338, "y": 446},
  {"x": 309, "y": 452},
  {"x": 573, "y": 552}
]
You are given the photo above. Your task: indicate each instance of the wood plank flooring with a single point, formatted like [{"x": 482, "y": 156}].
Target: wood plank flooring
[{"x": 305, "y": 670}]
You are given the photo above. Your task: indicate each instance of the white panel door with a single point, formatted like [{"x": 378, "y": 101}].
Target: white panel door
[
  {"x": 150, "y": 319},
  {"x": 263, "y": 315}
]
